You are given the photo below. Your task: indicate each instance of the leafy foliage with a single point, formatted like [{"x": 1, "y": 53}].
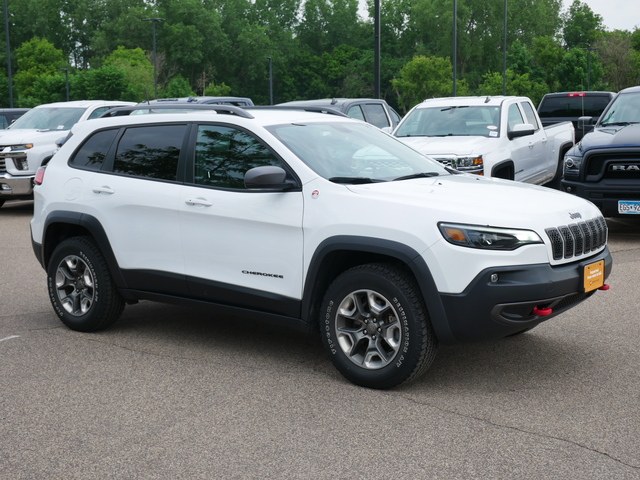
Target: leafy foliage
[{"x": 317, "y": 48}]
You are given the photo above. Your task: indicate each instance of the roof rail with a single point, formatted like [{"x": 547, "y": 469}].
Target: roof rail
[
  {"x": 304, "y": 108},
  {"x": 167, "y": 108}
]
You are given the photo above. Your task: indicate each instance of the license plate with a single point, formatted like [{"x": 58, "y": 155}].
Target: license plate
[
  {"x": 629, "y": 206},
  {"x": 593, "y": 276}
]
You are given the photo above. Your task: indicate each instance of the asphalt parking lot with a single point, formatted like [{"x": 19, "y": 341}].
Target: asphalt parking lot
[{"x": 176, "y": 393}]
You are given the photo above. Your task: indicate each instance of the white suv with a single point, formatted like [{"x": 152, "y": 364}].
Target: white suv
[{"x": 316, "y": 221}]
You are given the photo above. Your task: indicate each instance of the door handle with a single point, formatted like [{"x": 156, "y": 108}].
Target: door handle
[
  {"x": 203, "y": 202},
  {"x": 104, "y": 189}
]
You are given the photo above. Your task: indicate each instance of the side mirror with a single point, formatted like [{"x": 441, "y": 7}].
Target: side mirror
[
  {"x": 585, "y": 123},
  {"x": 521, "y": 130},
  {"x": 267, "y": 178}
]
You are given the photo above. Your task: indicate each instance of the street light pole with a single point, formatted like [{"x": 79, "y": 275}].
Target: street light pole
[
  {"x": 376, "y": 50},
  {"x": 6, "y": 29},
  {"x": 270, "y": 80},
  {"x": 155, "y": 72},
  {"x": 504, "y": 53},
  {"x": 66, "y": 74},
  {"x": 455, "y": 48}
]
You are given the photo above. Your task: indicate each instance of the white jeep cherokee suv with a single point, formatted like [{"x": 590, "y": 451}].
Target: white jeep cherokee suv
[{"x": 312, "y": 220}]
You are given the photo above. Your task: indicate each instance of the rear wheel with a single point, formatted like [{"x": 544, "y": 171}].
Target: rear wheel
[
  {"x": 375, "y": 326},
  {"x": 81, "y": 289}
]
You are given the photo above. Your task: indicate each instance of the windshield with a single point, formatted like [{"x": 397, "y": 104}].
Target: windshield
[
  {"x": 354, "y": 152},
  {"x": 624, "y": 110},
  {"x": 445, "y": 121},
  {"x": 49, "y": 118}
]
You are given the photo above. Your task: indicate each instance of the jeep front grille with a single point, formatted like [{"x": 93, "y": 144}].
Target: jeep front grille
[{"x": 578, "y": 239}]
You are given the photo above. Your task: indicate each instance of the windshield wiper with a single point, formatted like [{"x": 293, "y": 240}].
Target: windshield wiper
[
  {"x": 354, "y": 180},
  {"x": 417, "y": 175},
  {"x": 617, "y": 124}
]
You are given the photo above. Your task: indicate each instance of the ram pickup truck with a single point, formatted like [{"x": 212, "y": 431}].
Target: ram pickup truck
[
  {"x": 492, "y": 136},
  {"x": 605, "y": 166},
  {"x": 31, "y": 141}
]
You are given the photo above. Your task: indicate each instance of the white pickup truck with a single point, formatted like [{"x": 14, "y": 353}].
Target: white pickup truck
[
  {"x": 498, "y": 137},
  {"x": 31, "y": 141}
]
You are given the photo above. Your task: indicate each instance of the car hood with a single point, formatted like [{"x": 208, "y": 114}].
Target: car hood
[
  {"x": 38, "y": 137},
  {"x": 453, "y": 145},
  {"x": 484, "y": 201},
  {"x": 614, "y": 136}
]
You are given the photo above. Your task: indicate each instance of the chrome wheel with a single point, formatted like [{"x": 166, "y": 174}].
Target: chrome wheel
[
  {"x": 75, "y": 285},
  {"x": 368, "y": 329}
]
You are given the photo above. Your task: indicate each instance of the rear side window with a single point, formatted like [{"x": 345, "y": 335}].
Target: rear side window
[
  {"x": 94, "y": 150},
  {"x": 4, "y": 121},
  {"x": 374, "y": 112},
  {"x": 575, "y": 106},
  {"x": 151, "y": 152},
  {"x": 224, "y": 155}
]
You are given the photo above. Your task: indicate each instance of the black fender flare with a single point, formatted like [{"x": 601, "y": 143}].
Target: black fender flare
[
  {"x": 94, "y": 228},
  {"x": 384, "y": 248},
  {"x": 502, "y": 164}
]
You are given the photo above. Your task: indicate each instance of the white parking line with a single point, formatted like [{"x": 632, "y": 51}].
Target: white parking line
[{"x": 9, "y": 338}]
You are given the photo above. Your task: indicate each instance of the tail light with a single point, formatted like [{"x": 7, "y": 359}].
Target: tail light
[{"x": 39, "y": 175}]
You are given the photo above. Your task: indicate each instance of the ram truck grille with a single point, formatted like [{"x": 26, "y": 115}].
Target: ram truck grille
[{"x": 577, "y": 239}]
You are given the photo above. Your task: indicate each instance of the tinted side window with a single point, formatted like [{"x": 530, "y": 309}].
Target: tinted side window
[
  {"x": 151, "y": 152},
  {"x": 4, "y": 121},
  {"x": 92, "y": 153},
  {"x": 375, "y": 114},
  {"x": 224, "y": 155},
  {"x": 531, "y": 117}
]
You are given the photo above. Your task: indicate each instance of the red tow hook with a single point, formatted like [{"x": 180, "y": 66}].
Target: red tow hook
[
  {"x": 542, "y": 311},
  {"x": 605, "y": 287}
]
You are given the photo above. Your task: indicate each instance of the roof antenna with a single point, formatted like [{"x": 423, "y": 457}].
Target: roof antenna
[
  {"x": 487, "y": 99},
  {"x": 334, "y": 101}
]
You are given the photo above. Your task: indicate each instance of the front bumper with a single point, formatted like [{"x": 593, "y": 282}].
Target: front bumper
[
  {"x": 494, "y": 309},
  {"x": 604, "y": 194},
  {"x": 11, "y": 186}
]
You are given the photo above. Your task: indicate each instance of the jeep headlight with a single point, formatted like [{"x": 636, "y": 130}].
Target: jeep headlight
[
  {"x": 490, "y": 238},
  {"x": 572, "y": 164}
]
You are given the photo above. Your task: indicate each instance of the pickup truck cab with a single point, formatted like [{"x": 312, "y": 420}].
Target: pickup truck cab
[
  {"x": 492, "y": 136},
  {"x": 31, "y": 141},
  {"x": 570, "y": 106},
  {"x": 604, "y": 167}
]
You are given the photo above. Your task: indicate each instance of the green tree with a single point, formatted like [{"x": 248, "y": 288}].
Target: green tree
[
  {"x": 577, "y": 72},
  {"x": 548, "y": 53},
  {"x": 177, "y": 87},
  {"x": 108, "y": 82},
  {"x": 581, "y": 27},
  {"x": 517, "y": 84},
  {"x": 137, "y": 70},
  {"x": 36, "y": 58},
  {"x": 621, "y": 62},
  {"x": 425, "y": 77}
]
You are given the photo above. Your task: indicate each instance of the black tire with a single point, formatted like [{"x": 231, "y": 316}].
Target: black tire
[
  {"x": 81, "y": 289},
  {"x": 375, "y": 326},
  {"x": 1, "y": 202}
]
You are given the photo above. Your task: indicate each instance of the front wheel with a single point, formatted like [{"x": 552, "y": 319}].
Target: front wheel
[
  {"x": 81, "y": 289},
  {"x": 376, "y": 328}
]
